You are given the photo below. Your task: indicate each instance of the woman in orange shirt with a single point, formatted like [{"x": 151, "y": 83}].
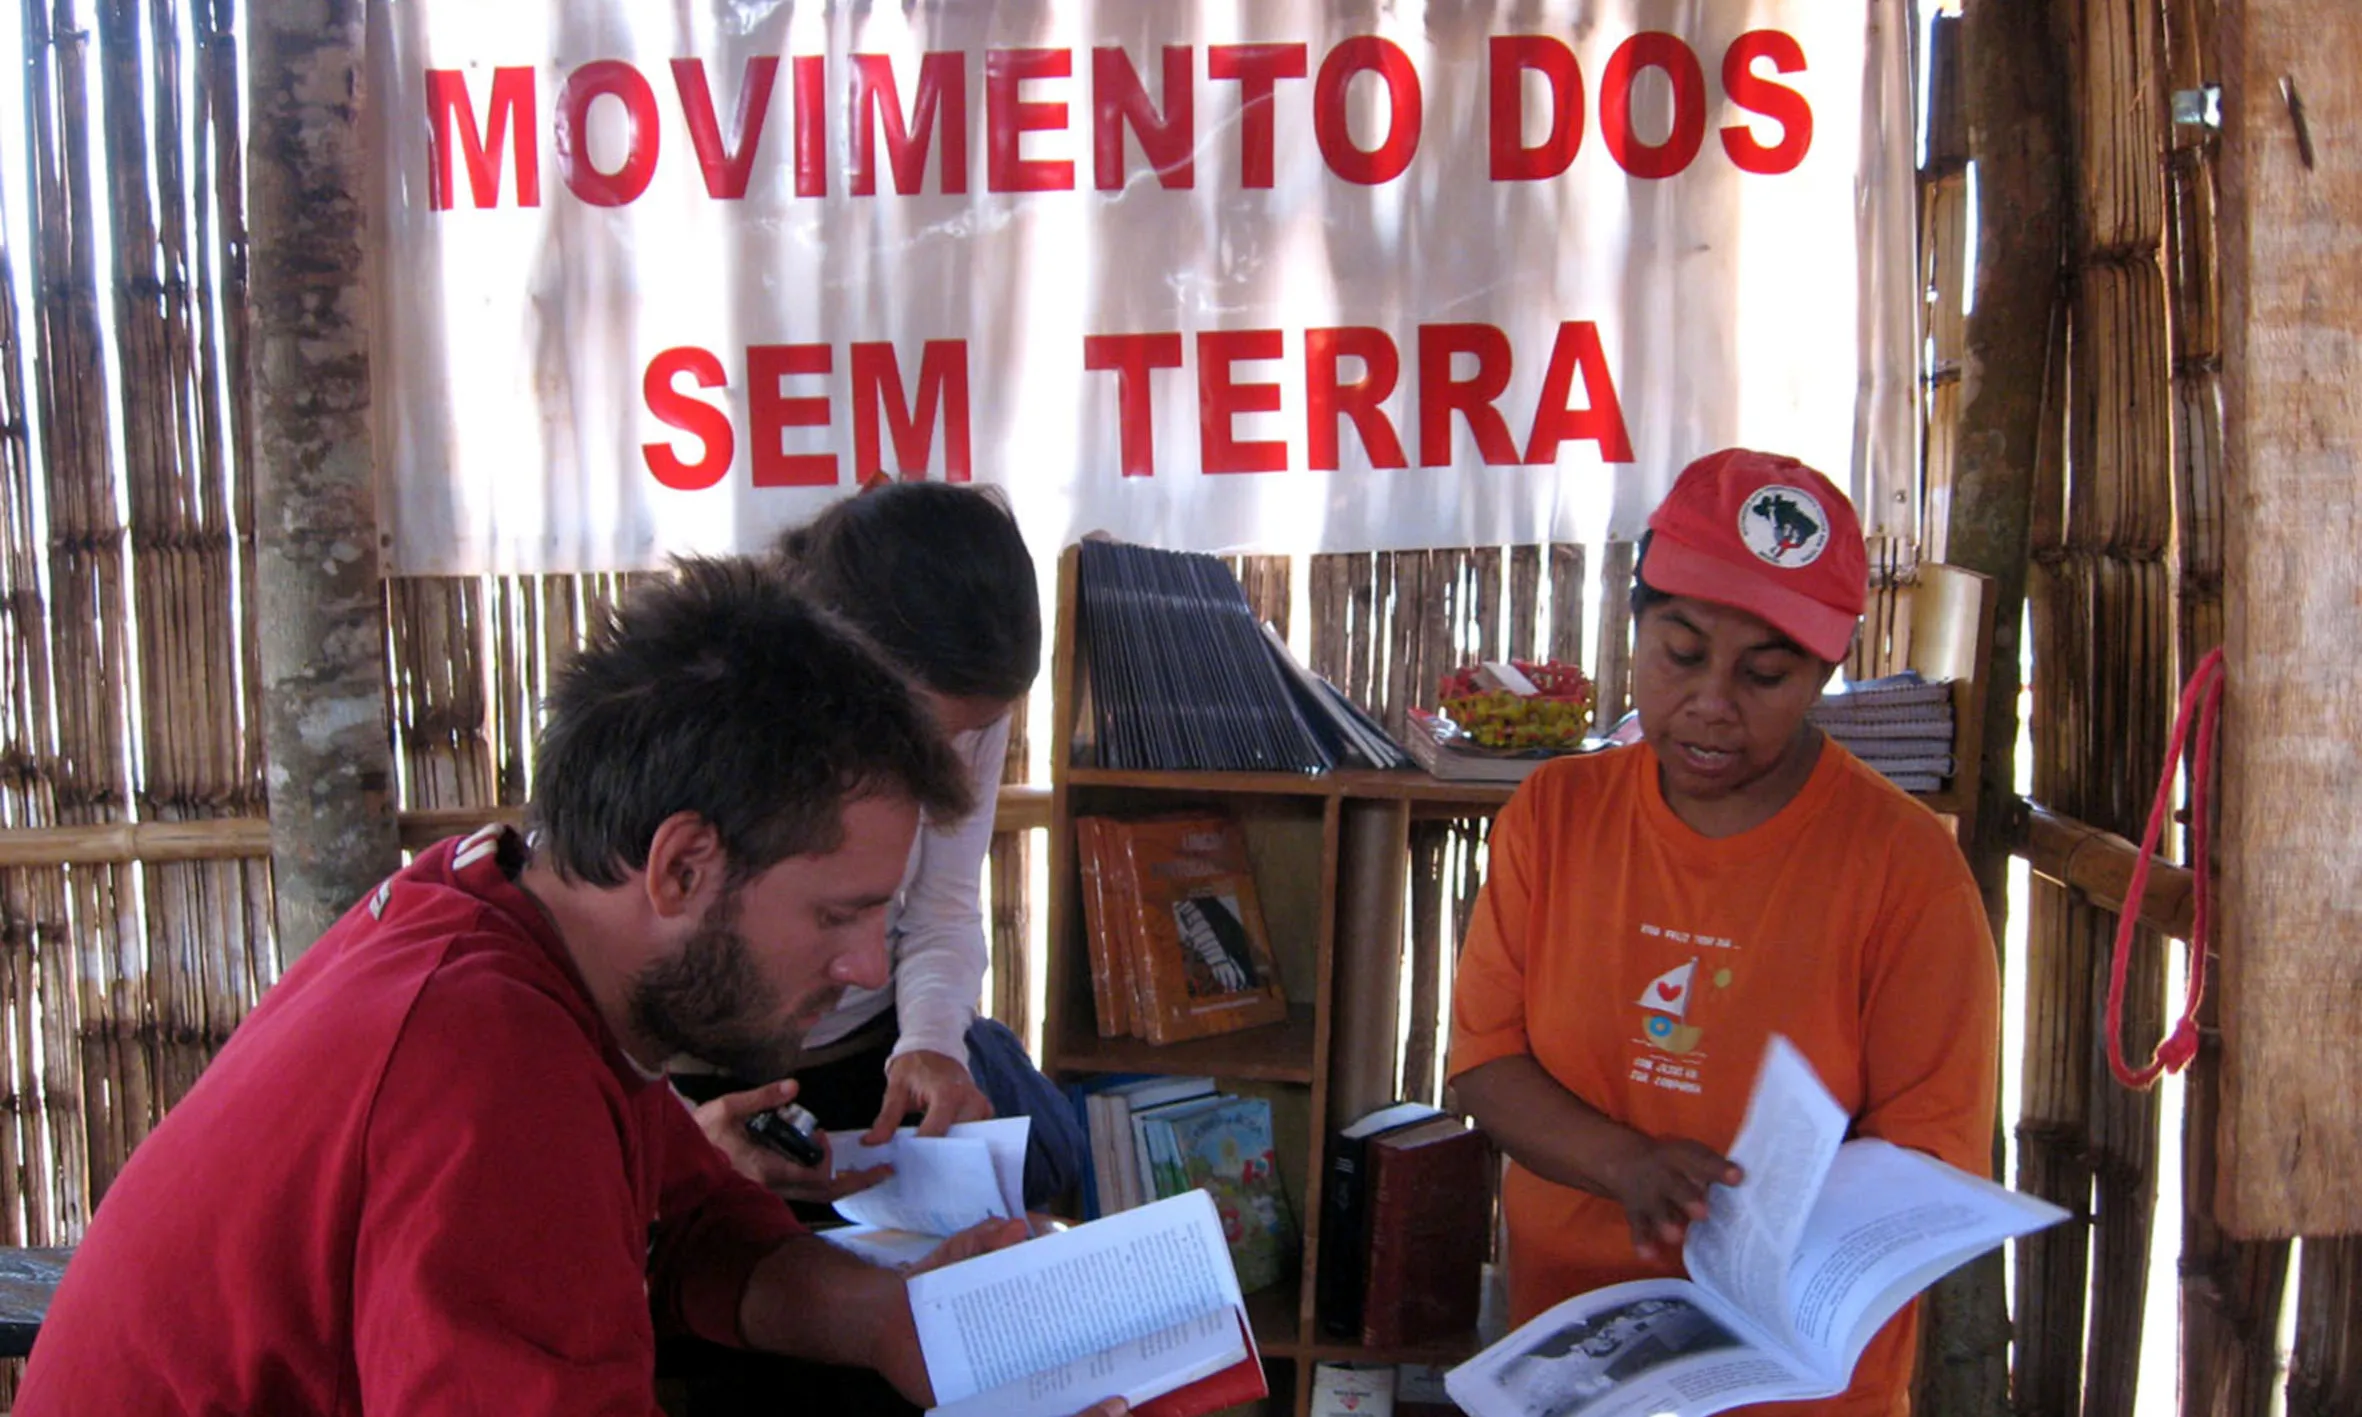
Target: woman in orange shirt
[{"x": 1652, "y": 914}]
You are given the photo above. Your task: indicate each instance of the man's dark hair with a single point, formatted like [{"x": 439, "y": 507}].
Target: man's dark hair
[
  {"x": 937, "y": 575},
  {"x": 720, "y": 690}
]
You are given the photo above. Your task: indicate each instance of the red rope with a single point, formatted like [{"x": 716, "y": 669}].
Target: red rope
[{"x": 2203, "y": 697}]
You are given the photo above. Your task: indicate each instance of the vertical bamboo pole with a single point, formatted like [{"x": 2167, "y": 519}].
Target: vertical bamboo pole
[
  {"x": 1525, "y": 603},
  {"x": 2325, "y": 1367},
  {"x": 1614, "y": 679},
  {"x": 1566, "y": 604},
  {"x": 331, "y": 766},
  {"x": 2119, "y": 520},
  {"x": 1012, "y": 885},
  {"x": 2028, "y": 422},
  {"x": 92, "y": 1015},
  {"x": 1993, "y": 96},
  {"x": 44, "y": 1179},
  {"x": 1421, "y": 1071},
  {"x": 2230, "y": 1289}
]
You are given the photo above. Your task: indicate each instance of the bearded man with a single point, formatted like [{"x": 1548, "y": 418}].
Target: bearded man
[{"x": 438, "y": 1168}]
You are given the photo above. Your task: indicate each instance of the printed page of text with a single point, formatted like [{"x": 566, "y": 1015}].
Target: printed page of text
[
  {"x": 1891, "y": 1222},
  {"x": 1034, "y": 1307},
  {"x": 1791, "y": 1134},
  {"x": 1144, "y": 1368}
]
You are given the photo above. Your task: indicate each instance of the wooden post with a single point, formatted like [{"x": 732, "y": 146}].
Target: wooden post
[
  {"x": 322, "y": 608},
  {"x": 2231, "y": 1290},
  {"x": 2292, "y": 452},
  {"x": 2013, "y": 96}
]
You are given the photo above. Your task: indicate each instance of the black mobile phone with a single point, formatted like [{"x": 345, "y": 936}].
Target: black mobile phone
[{"x": 788, "y": 1129}]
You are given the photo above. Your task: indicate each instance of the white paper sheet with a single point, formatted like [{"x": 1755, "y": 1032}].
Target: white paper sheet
[{"x": 941, "y": 1185}]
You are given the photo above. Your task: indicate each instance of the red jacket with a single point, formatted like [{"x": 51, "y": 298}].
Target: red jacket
[{"x": 421, "y": 1178}]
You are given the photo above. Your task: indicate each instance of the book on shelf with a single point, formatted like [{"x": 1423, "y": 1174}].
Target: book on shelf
[
  {"x": 1935, "y": 766},
  {"x": 1105, "y": 919},
  {"x": 940, "y": 1186},
  {"x": 1344, "y": 1250},
  {"x": 1142, "y": 1305},
  {"x": 1155, "y": 1138},
  {"x": 1434, "y": 744},
  {"x": 1792, "y": 1273},
  {"x": 1183, "y": 922},
  {"x": 1350, "y": 735},
  {"x": 1429, "y": 1227},
  {"x": 1906, "y": 690},
  {"x": 1226, "y": 1149},
  {"x": 1108, "y": 1121},
  {"x": 1353, "y": 1390},
  {"x": 1419, "y": 1392},
  {"x": 1179, "y": 673}
]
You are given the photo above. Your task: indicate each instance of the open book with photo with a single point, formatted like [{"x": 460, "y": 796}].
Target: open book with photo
[
  {"x": 1791, "y": 1274},
  {"x": 940, "y": 1186},
  {"x": 1142, "y": 1305}
]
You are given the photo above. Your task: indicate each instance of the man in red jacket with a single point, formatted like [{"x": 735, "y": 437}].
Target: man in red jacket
[{"x": 438, "y": 1170}]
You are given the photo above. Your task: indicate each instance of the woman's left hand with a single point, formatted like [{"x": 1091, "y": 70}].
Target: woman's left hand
[{"x": 932, "y": 1084}]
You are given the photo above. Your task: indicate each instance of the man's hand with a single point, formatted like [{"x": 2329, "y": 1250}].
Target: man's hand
[
  {"x": 723, "y": 1121},
  {"x": 939, "y": 1086},
  {"x": 1662, "y": 1184},
  {"x": 981, "y": 1238}
]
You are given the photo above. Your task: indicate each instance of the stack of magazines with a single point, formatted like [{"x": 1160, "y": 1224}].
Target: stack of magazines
[
  {"x": 1901, "y": 725},
  {"x": 1183, "y": 677}
]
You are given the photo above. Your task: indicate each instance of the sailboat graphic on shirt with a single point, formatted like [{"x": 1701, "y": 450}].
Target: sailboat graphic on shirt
[{"x": 1668, "y": 993}]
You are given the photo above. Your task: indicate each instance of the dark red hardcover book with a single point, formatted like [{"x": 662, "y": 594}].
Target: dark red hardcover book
[{"x": 1429, "y": 1222}]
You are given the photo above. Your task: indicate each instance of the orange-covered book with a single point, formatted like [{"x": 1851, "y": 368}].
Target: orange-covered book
[{"x": 1202, "y": 963}]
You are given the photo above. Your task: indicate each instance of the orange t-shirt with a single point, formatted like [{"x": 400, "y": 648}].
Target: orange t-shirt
[{"x": 1644, "y": 965}]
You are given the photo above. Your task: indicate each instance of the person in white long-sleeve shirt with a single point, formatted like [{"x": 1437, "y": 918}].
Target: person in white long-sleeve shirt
[{"x": 938, "y": 576}]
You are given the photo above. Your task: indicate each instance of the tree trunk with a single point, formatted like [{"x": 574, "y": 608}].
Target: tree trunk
[{"x": 322, "y": 616}]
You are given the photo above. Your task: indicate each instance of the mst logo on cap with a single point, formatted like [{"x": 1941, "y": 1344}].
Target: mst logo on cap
[{"x": 1784, "y": 526}]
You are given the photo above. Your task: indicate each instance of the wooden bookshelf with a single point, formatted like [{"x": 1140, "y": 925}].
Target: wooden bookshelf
[{"x": 1283, "y": 1052}]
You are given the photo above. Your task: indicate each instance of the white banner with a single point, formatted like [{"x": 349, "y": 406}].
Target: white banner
[{"x": 666, "y": 277}]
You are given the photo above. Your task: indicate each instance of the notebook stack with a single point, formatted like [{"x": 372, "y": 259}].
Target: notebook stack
[
  {"x": 1182, "y": 677},
  {"x": 1901, "y": 725}
]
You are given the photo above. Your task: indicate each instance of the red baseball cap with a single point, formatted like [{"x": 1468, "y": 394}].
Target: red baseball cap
[{"x": 1764, "y": 534}]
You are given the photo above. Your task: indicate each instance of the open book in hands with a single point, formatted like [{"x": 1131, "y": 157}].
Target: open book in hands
[
  {"x": 940, "y": 1186},
  {"x": 1142, "y": 1305},
  {"x": 1792, "y": 1273}
]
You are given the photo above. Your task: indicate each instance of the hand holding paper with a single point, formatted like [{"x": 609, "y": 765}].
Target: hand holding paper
[{"x": 939, "y": 1186}]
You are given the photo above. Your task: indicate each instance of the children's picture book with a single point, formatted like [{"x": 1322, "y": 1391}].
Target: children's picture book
[
  {"x": 940, "y": 1186},
  {"x": 1226, "y": 1150},
  {"x": 1203, "y": 964},
  {"x": 1142, "y": 1306},
  {"x": 1792, "y": 1273}
]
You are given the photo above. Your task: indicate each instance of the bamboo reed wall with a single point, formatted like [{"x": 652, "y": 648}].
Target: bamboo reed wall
[
  {"x": 129, "y": 534},
  {"x": 126, "y": 551},
  {"x": 2102, "y": 613}
]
